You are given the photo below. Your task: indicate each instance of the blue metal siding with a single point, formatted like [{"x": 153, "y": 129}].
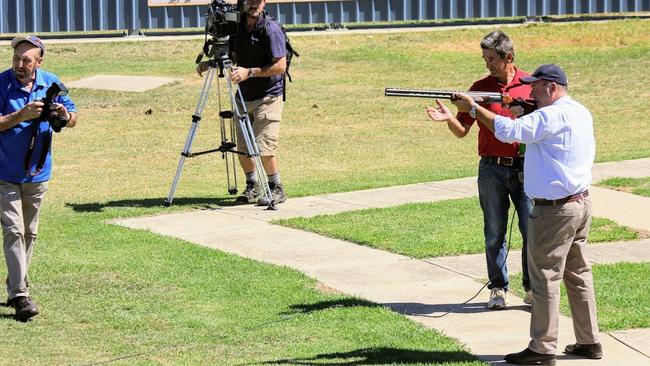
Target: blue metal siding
[{"x": 38, "y": 16}]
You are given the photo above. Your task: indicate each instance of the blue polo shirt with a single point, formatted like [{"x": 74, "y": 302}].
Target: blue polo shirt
[
  {"x": 258, "y": 48},
  {"x": 14, "y": 142}
]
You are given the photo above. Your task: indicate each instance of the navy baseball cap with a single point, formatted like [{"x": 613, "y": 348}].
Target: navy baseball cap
[
  {"x": 549, "y": 72},
  {"x": 28, "y": 38}
]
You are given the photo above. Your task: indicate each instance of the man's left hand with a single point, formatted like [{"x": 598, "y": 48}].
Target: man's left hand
[
  {"x": 238, "y": 74},
  {"x": 60, "y": 110},
  {"x": 463, "y": 102}
]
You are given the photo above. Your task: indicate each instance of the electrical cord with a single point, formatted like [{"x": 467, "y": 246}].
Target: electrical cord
[{"x": 512, "y": 219}]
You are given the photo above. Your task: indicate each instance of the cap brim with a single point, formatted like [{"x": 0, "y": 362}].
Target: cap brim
[{"x": 529, "y": 79}]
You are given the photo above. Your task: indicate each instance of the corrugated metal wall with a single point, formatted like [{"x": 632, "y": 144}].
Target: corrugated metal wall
[{"x": 37, "y": 16}]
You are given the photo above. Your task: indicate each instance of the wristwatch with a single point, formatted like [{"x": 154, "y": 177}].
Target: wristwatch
[
  {"x": 472, "y": 111},
  {"x": 251, "y": 73}
]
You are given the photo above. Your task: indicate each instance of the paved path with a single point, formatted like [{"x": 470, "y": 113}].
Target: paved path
[{"x": 420, "y": 289}]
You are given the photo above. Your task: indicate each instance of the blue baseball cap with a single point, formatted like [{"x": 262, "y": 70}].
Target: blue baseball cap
[
  {"x": 548, "y": 72},
  {"x": 28, "y": 38}
]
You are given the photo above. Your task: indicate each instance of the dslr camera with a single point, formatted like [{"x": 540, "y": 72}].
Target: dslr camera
[
  {"x": 57, "y": 122},
  {"x": 222, "y": 19}
]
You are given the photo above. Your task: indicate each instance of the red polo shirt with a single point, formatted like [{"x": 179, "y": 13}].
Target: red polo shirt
[{"x": 488, "y": 145}]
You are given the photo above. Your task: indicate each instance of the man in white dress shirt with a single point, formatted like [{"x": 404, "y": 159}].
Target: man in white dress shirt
[{"x": 560, "y": 150}]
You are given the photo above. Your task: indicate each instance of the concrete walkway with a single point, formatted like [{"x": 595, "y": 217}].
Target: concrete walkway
[{"x": 421, "y": 289}]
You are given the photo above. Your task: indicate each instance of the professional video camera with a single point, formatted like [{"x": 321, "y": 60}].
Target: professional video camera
[
  {"x": 57, "y": 122},
  {"x": 222, "y": 19}
]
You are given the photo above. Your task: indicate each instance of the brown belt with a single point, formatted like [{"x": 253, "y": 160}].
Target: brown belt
[{"x": 571, "y": 198}]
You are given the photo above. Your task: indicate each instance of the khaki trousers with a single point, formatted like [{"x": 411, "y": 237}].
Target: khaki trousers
[
  {"x": 557, "y": 237},
  {"x": 20, "y": 204},
  {"x": 265, "y": 115}
]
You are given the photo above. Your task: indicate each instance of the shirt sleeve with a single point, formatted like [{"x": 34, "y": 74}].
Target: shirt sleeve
[
  {"x": 66, "y": 101},
  {"x": 277, "y": 41},
  {"x": 527, "y": 129}
]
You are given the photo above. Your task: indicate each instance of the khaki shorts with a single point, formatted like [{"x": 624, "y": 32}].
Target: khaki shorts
[{"x": 265, "y": 115}]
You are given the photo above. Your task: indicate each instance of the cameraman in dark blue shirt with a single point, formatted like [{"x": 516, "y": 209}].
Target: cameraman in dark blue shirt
[
  {"x": 259, "y": 50},
  {"x": 25, "y": 160}
]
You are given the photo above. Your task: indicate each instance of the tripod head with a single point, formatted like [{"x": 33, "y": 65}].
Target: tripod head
[{"x": 217, "y": 50}]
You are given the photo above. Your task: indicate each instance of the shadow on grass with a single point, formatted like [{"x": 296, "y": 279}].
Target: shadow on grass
[
  {"x": 376, "y": 356},
  {"x": 200, "y": 202},
  {"x": 324, "y": 305}
]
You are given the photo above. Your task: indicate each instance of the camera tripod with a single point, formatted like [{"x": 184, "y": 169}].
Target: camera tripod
[{"x": 237, "y": 113}]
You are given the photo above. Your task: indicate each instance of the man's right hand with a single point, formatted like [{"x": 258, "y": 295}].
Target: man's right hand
[
  {"x": 439, "y": 114},
  {"x": 31, "y": 110},
  {"x": 201, "y": 68}
]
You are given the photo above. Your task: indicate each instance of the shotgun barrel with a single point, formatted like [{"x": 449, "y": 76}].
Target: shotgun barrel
[{"x": 483, "y": 97}]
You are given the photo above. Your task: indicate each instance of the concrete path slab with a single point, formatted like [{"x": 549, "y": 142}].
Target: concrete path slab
[
  {"x": 638, "y": 168},
  {"x": 473, "y": 265},
  {"x": 121, "y": 83},
  {"x": 638, "y": 339},
  {"x": 625, "y": 208},
  {"x": 423, "y": 290},
  {"x": 333, "y": 203}
]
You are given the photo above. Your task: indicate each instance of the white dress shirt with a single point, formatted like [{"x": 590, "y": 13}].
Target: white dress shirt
[{"x": 560, "y": 148}]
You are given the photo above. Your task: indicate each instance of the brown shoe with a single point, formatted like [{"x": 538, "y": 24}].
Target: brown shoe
[
  {"x": 529, "y": 357},
  {"x": 25, "y": 307},
  {"x": 593, "y": 351}
]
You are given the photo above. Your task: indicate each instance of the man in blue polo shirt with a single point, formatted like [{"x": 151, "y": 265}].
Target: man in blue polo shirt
[
  {"x": 259, "y": 50},
  {"x": 25, "y": 161}
]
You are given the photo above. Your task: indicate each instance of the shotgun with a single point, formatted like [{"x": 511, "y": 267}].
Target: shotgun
[{"x": 528, "y": 105}]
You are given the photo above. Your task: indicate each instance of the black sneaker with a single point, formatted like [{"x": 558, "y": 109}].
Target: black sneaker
[
  {"x": 530, "y": 357},
  {"x": 251, "y": 192},
  {"x": 593, "y": 351},
  {"x": 25, "y": 307},
  {"x": 277, "y": 190}
]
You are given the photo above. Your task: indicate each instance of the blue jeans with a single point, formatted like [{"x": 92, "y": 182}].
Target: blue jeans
[{"x": 496, "y": 186}]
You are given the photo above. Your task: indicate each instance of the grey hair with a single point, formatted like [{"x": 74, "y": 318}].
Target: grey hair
[{"x": 500, "y": 42}]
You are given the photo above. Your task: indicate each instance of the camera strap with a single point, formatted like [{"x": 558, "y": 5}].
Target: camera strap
[{"x": 30, "y": 151}]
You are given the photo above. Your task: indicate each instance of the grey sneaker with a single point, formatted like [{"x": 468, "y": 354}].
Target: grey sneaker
[
  {"x": 497, "y": 299},
  {"x": 277, "y": 190},
  {"x": 251, "y": 192}
]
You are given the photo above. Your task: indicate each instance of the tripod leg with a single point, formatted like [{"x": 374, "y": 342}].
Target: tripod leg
[
  {"x": 227, "y": 155},
  {"x": 249, "y": 138},
  {"x": 196, "y": 118}
]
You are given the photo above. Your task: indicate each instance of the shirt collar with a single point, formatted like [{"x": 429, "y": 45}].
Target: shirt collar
[
  {"x": 40, "y": 79},
  {"x": 516, "y": 80},
  {"x": 564, "y": 99}
]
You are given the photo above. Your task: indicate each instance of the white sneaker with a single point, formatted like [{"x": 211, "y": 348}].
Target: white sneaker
[
  {"x": 497, "y": 299},
  {"x": 528, "y": 299}
]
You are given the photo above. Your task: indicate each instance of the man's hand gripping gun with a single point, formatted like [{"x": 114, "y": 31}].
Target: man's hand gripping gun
[{"x": 478, "y": 96}]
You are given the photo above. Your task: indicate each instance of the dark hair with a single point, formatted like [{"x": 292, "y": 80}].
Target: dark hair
[{"x": 500, "y": 42}]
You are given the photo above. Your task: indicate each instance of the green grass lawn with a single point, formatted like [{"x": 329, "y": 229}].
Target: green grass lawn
[
  {"x": 130, "y": 297},
  {"x": 639, "y": 186},
  {"x": 421, "y": 230}
]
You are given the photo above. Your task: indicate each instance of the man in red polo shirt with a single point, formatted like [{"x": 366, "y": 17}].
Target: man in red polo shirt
[{"x": 500, "y": 172}]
